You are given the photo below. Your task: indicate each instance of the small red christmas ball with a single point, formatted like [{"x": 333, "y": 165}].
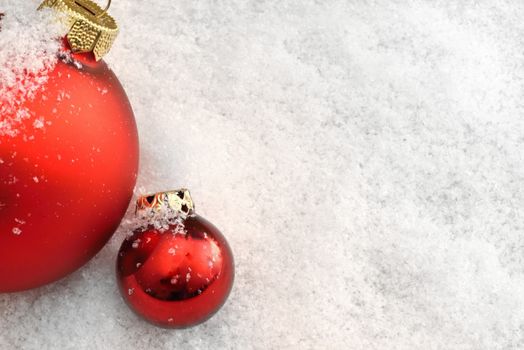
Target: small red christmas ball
[{"x": 176, "y": 277}]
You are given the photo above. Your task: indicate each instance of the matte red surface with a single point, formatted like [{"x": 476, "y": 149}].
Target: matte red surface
[
  {"x": 176, "y": 280},
  {"x": 67, "y": 185}
]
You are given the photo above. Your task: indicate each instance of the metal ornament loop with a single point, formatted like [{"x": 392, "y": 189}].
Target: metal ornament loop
[{"x": 105, "y": 9}]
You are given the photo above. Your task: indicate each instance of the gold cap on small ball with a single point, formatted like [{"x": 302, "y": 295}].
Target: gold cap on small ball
[{"x": 177, "y": 200}]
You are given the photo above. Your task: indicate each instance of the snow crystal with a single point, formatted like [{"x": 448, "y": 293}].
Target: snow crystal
[
  {"x": 16, "y": 231},
  {"x": 161, "y": 218},
  {"x": 136, "y": 243},
  {"x": 38, "y": 123},
  {"x": 29, "y": 42}
]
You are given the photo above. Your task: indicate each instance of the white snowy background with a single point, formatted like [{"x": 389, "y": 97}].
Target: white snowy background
[{"x": 363, "y": 158}]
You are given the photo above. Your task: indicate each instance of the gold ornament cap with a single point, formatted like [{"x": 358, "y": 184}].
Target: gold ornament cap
[
  {"x": 92, "y": 29},
  {"x": 178, "y": 201}
]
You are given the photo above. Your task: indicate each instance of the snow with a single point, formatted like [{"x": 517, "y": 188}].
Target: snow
[
  {"x": 161, "y": 217},
  {"x": 29, "y": 43},
  {"x": 364, "y": 159}
]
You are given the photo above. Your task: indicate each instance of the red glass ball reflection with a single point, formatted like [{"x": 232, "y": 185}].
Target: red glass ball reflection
[{"x": 175, "y": 279}]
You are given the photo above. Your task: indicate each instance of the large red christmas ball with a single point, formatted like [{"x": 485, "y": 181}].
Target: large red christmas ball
[
  {"x": 176, "y": 279},
  {"x": 67, "y": 176}
]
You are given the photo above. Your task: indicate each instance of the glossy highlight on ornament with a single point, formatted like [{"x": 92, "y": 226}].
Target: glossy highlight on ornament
[{"x": 179, "y": 276}]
